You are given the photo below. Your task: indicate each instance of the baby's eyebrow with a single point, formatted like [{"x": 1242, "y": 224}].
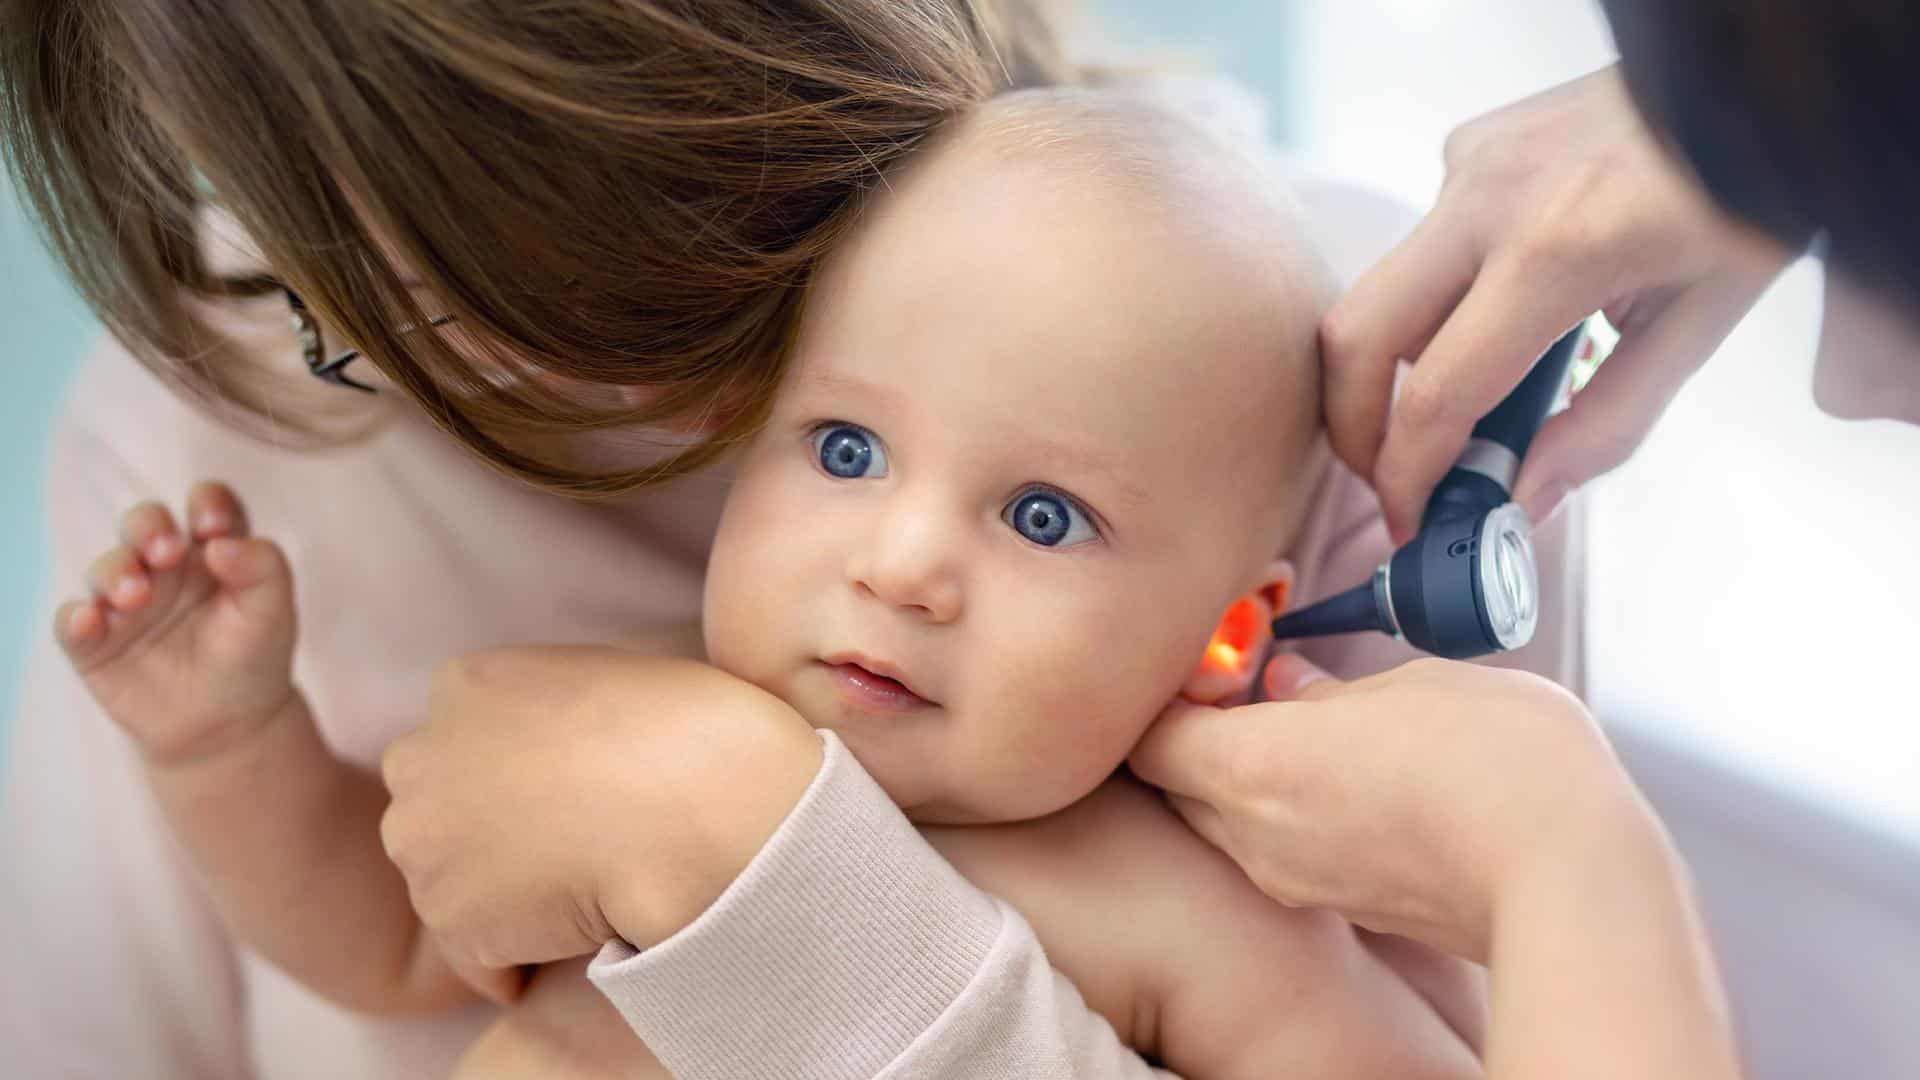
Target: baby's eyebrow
[
  {"x": 1080, "y": 460},
  {"x": 835, "y": 383}
]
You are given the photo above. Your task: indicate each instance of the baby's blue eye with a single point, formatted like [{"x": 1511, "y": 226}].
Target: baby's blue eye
[
  {"x": 1049, "y": 520},
  {"x": 849, "y": 452}
]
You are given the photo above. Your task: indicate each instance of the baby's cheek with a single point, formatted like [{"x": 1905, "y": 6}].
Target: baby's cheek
[
  {"x": 1071, "y": 695},
  {"x": 751, "y": 583},
  {"x": 1083, "y": 736},
  {"x": 736, "y": 619}
]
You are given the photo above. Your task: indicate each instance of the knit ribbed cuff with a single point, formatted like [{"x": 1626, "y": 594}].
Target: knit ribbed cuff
[{"x": 839, "y": 945}]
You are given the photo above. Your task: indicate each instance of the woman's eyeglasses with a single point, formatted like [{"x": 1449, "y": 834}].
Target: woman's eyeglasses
[{"x": 306, "y": 330}]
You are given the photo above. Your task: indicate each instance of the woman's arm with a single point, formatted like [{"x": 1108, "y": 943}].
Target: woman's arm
[{"x": 790, "y": 921}]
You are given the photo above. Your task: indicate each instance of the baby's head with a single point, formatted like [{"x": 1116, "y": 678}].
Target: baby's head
[{"x": 1052, "y": 410}]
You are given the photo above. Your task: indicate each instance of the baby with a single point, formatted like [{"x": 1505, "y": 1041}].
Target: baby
[{"x": 1053, "y": 409}]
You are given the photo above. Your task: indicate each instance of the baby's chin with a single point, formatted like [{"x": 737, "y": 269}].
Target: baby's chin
[
  {"x": 950, "y": 814},
  {"x": 969, "y": 811},
  {"x": 947, "y": 800},
  {"x": 904, "y": 767},
  {"x": 919, "y": 777}
]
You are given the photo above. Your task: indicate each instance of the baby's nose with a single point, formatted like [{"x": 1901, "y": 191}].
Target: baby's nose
[{"x": 914, "y": 563}]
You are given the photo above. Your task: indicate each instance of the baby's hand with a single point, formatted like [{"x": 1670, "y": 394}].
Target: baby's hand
[{"x": 186, "y": 643}]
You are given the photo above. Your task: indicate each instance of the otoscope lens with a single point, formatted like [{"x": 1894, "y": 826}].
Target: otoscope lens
[
  {"x": 1508, "y": 585},
  {"x": 1512, "y": 603},
  {"x": 1515, "y": 574}
]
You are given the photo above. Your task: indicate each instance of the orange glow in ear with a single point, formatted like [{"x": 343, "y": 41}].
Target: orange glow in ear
[
  {"x": 1238, "y": 630},
  {"x": 1222, "y": 655}
]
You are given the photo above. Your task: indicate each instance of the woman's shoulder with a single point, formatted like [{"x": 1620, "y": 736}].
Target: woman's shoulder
[
  {"x": 110, "y": 388},
  {"x": 117, "y": 419},
  {"x": 118, "y": 412}
]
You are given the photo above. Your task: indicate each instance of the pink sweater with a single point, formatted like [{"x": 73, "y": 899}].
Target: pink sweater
[{"x": 847, "y": 949}]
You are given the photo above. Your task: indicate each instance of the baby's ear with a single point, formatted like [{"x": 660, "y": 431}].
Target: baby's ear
[{"x": 1227, "y": 669}]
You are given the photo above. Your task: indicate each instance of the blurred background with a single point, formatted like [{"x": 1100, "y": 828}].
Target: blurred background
[
  {"x": 1751, "y": 585},
  {"x": 43, "y": 330}
]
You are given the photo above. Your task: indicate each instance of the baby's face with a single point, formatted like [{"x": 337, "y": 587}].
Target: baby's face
[{"x": 1035, "y": 439}]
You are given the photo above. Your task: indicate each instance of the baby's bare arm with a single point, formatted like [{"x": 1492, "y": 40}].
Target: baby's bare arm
[
  {"x": 187, "y": 642},
  {"x": 1190, "y": 963},
  {"x": 287, "y": 838}
]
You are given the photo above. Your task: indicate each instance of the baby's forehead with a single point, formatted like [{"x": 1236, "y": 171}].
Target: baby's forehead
[{"x": 1085, "y": 223}]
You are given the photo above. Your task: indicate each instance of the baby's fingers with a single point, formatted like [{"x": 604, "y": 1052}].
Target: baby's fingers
[
  {"x": 120, "y": 580},
  {"x": 256, "y": 572},
  {"x": 80, "y": 626},
  {"x": 149, "y": 530},
  {"x": 213, "y": 510}
]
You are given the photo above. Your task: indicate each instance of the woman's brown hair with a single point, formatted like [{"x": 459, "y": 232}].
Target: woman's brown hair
[{"x": 601, "y": 192}]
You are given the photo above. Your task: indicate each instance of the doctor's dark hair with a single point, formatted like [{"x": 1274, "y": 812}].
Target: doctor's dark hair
[
  {"x": 1798, "y": 115},
  {"x": 601, "y": 193}
]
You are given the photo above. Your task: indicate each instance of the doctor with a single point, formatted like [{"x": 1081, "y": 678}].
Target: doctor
[{"x": 1667, "y": 193}]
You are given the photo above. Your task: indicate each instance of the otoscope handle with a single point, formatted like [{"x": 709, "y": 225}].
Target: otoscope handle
[
  {"x": 1483, "y": 477},
  {"x": 1515, "y": 421}
]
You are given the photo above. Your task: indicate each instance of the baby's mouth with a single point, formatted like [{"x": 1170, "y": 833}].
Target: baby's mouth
[{"x": 867, "y": 688}]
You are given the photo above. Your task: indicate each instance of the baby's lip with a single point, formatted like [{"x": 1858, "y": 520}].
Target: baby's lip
[{"x": 877, "y": 667}]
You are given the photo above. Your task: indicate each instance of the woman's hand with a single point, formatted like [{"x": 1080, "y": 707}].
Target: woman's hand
[
  {"x": 559, "y": 797},
  {"x": 1410, "y": 802},
  {"x": 1553, "y": 208},
  {"x": 562, "y": 1029}
]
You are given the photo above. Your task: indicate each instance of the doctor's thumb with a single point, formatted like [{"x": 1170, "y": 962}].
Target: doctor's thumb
[{"x": 1291, "y": 677}]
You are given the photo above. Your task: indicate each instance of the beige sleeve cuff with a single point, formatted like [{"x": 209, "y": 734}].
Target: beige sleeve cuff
[{"x": 850, "y": 948}]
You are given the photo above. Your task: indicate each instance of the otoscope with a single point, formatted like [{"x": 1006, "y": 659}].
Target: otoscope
[{"x": 1466, "y": 585}]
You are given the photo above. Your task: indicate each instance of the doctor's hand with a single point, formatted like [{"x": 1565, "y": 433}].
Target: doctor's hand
[
  {"x": 1411, "y": 802},
  {"x": 1553, "y": 208},
  {"x": 1481, "y": 812}
]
